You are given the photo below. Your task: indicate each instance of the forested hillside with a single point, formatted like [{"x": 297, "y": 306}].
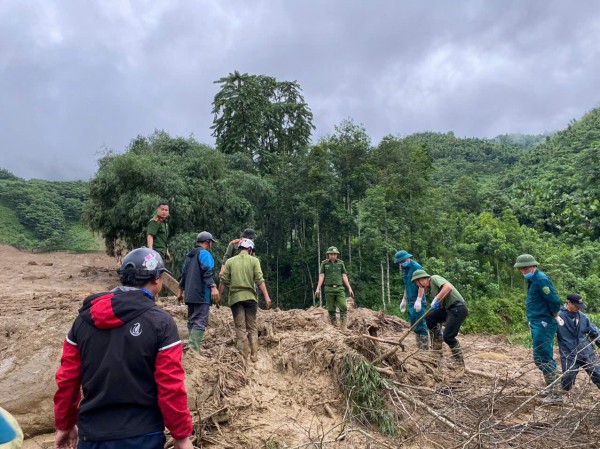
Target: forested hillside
[
  {"x": 43, "y": 215},
  {"x": 465, "y": 207}
]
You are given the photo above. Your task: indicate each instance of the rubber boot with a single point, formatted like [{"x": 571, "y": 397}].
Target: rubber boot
[
  {"x": 423, "y": 341},
  {"x": 254, "y": 348},
  {"x": 436, "y": 339},
  {"x": 332, "y": 318},
  {"x": 457, "y": 355},
  {"x": 195, "y": 339},
  {"x": 343, "y": 323},
  {"x": 553, "y": 391}
]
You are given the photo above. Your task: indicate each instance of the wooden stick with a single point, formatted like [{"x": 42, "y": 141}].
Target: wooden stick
[
  {"x": 382, "y": 340},
  {"x": 394, "y": 350},
  {"x": 432, "y": 412}
]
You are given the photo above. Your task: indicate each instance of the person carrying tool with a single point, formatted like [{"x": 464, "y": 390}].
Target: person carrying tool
[
  {"x": 448, "y": 307},
  {"x": 574, "y": 345},
  {"x": 331, "y": 274},
  {"x": 414, "y": 296},
  {"x": 241, "y": 274},
  {"x": 233, "y": 247},
  {"x": 124, "y": 352},
  {"x": 198, "y": 288},
  {"x": 157, "y": 234},
  {"x": 542, "y": 306}
]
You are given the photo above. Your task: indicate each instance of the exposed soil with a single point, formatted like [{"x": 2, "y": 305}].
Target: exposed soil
[{"x": 294, "y": 396}]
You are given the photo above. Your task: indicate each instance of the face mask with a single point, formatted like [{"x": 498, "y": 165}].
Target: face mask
[
  {"x": 528, "y": 275},
  {"x": 405, "y": 264}
]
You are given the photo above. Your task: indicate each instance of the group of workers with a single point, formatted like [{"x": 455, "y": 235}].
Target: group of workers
[{"x": 125, "y": 354}]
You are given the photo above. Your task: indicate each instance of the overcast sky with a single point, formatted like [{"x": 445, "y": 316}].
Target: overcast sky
[{"x": 77, "y": 77}]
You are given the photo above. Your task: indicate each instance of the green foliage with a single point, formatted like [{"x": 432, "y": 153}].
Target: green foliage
[
  {"x": 260, "y": 117},
  {"x": 365, "y": 393},
  {"x": 45, "y": 213}
]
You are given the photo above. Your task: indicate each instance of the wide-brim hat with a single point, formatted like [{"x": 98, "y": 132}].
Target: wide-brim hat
[
  {"x": 525, "y": 260},
  {"x": 419, "y": 274},
  {"x": 401, "y": 255}
]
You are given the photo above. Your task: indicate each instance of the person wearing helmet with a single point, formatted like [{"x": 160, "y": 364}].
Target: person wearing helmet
[
  {"x": 542, "y": 306},
  {"x": 448, "y": 307},
  {"x": 124, "y": 353},
  {"x": 241, "y": 274},
  {"x": 417, "y": 303},
  {"x": 198, "y": 287},
  {"x": 332, "y": 273},
  {"x": 157, "y": 232},
  {"x": 234, "y": 246}
]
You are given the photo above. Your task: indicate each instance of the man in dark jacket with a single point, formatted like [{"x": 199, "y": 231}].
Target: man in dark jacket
[
  {"x": 198, "y": 287},
  {"x": 574, "y": 345},
  {"x": 125, "y": 353}
]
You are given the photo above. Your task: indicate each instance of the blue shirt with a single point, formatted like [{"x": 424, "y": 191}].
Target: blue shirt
[
  {"x": 542, "y": 301},
  {"x": 573, "y": 337},
  {"x": 411, "y": 288}
]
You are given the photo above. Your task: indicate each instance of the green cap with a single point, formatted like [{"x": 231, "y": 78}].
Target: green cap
[
  {"x": 332, "y": 250},
  {"x": 525, "y": 260},
  {"x": 418, "y": 274}
]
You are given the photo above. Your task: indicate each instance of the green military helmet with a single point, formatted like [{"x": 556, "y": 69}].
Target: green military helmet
[
  {"x": 418, "y": 274},
  {"x": 332, "y": 250},
  {"x": 525, "y": 260}
]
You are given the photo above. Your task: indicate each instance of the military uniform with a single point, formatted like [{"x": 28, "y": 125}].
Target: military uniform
[
  {"x": 158, "y": 228},
  {"x": 411, "y": 291},
  {"x": 541, "y": 305},
  {"x": 333, "y": 288}
]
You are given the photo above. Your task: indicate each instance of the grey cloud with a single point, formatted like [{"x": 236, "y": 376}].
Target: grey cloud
[{"x": 78, "y": 76}]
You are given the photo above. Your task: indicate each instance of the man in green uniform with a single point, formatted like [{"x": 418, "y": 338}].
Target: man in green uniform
[
  {"x": 158, "y": 231},
  {"x": 448, "y": 307},
  {"x": 332, "y": 274},
  {"x": 241, "y": 274},
  {"x": 542, "y": 306},
  {"x": 233, "y": 247}
]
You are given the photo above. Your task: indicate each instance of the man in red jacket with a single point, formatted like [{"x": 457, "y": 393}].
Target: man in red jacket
[{"x": 125, "y": 353}]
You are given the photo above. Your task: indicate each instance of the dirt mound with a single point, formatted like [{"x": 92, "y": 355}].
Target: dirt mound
[{"x": 313, "y": 385}]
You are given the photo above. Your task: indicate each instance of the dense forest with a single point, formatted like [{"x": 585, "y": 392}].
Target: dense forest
[{"x": 465, "y": 207}]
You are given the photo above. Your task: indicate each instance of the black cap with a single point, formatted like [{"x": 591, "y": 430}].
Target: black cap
[{"x": 577, "y": 300}]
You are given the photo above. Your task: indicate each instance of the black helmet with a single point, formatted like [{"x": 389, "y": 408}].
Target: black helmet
[
  {"x": 144, "y": 263},
  {"x": 249, "y": 234},
  {"x": 204, "y": 236}
]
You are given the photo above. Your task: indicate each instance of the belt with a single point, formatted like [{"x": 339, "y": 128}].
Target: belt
[{"x": 333, "y": 286}]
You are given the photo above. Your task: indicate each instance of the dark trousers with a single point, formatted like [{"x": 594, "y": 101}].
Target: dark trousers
[
  {"x": 571, "y": 367},
  {"x": 244, "y": 317},
  {"x": 198, "y": 316},
  {"x": 453, "y": 317},
  {"x": 150, "y": 441}
]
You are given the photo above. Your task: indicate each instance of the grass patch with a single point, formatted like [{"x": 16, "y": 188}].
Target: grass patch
[
  {"x": 364, "y": 388},
  {"x": 522, "y": 338},
  {"x": 12, "y": 232}
]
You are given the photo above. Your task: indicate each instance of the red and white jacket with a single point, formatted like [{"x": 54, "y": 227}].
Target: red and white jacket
[{"x": 124, "y": 353}]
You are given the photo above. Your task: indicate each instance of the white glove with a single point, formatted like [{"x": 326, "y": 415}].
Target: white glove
[
  {"x": 403, "y": 305},
  {"x": 418, "y": 305},
  {"x": 560, "y": 321}
]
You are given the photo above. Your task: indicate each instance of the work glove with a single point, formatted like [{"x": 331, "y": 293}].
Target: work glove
[
  {"x": 559, "y": 320},
  {"x": 435, "y": 304},
  {"x": 418, "y": 305},
  {"x": 403, "y": 305}
]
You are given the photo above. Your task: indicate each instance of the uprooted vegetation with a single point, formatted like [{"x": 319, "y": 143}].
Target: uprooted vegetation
[{"x": 312, "y": 387}]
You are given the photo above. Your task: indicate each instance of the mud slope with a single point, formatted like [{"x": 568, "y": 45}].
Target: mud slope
[{"x": 299, "y": 394}]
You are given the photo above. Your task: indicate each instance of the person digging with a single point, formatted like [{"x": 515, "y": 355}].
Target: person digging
[
  {"x": 332, "y": 274},
  {"x": 448, "y": 307}
]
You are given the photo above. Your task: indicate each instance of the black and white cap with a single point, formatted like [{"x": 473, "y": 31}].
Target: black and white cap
[{"x": 577, "y": 300}]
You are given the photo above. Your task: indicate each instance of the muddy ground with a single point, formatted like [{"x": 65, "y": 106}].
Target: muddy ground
[{"x": 294, "y": 396}]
